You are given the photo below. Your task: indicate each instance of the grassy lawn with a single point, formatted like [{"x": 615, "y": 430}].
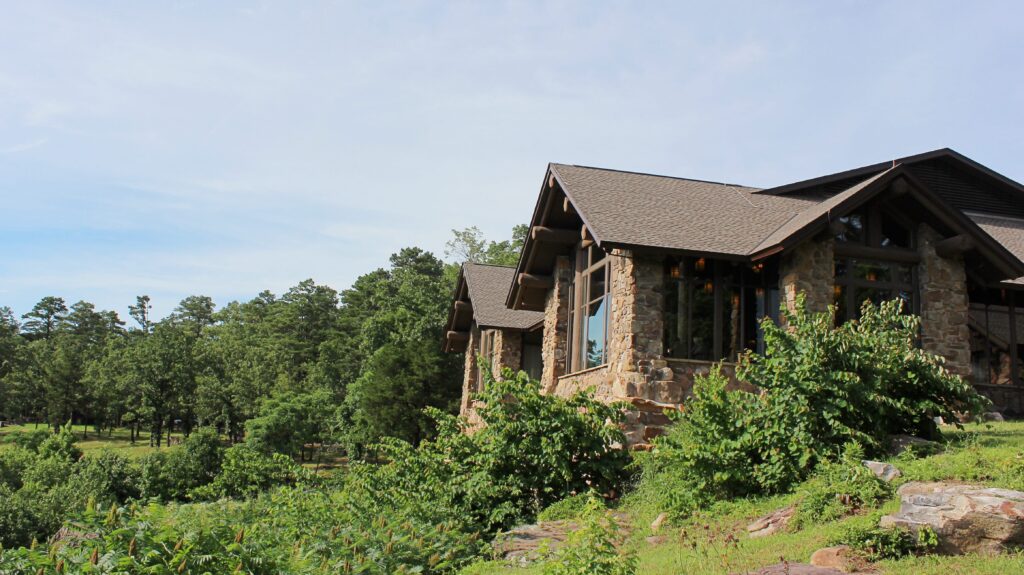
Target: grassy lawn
[
  {"x": 118, "y": 441},
  {"x": 976, "y": 455}
]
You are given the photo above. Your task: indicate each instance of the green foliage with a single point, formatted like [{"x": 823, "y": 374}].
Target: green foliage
[
  {"x": 573, "y": 507},
  {"x": 172, "y": 475},
  {"x": 593, "y": 549},
  {"x": 469, "y": 245},
  {"x": 245, "y": 472},
  {"x": 61, "y": 445},
  {"x": 288, "y": 421},
  {"x": 821, "y": 387},
  {"x": 839, "y": 488},
  {"x": 30, "y": 440},
  {"x": 878, "y": 543}
]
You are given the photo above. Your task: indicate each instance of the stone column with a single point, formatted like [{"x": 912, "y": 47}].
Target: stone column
[
  {"x": 469, "y": 372},
  {"x": 636, "y": 329},
  {"x": 809, "y": 268},
  {"x": 508, "y": 351},
  {"x": 944, "y": 304},
  {"x": 556, "y": 312}
]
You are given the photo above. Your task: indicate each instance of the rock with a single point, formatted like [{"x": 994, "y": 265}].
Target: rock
[
  {"x": 966, "y": 518},
  {"x": 793, "y": 569},
  {"x": 900, "y": 443},
  {"x": 523, "y": 544},
  {"x": 658, "y": 522},
  {"x": 656, "y": 539},
  {"x": 884, "y": 471},
  {"x": 992, "y": 416},
  {"x": 771, "y": 523},
  {"x": 840, "y": 557}
]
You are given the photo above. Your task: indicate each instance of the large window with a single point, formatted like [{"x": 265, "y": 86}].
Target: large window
[
  {"x": 874, "y": 260},
  {"x": 997, "y": 330},
  {"x": 487, "y": 352},
  {"x": 713, "y": 309},
  {"x": 588, "y": 310}
]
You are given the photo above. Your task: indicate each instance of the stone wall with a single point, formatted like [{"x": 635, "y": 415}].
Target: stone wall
[
  {"x": 809, "y": 268},
  {"x": 944, "y": 304},
  {"x": 556, "y": 316},
  {"x": 508, "y": 351},
  {"x": 469, "y": 371}
]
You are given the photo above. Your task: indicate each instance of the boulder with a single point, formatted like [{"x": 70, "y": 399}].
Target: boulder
[
  {"x": 900, "y": 443},
  {"x": 793, "y": 569},
  {"x": 840, "y": 557},
  {"x": 771, "y": 523},
  {"x": 992, "y": 416},
  {"x": 965, "y": 518},
  {"x": 523, "y": 544},
  {"x": 884, "y": 471},
  {"x": 658, "y": 522}
]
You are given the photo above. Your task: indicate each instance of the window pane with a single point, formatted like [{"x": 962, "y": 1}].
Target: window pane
[
  {"x": 598, "y": 281},
  {"x": 596, "y": 255},
  {"x": 894, "y": 234},
  {"x": 854, "y": 232},
  {"x": 702, "y": 317},
  {"x": 596, "y": 319},
  {"x": 872, "y": 271}
]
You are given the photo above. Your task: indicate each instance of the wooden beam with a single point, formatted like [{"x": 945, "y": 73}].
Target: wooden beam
[
  {"x": 463, "y": 307},
  {"x": 954, "y": 246},
  {"x": 585, "y": 234},
  {"x": 836, "y": 227},
  {"x": 900, "y": 255},
  {"x": 551, "y": 181},
  {"x": 898, "y": 188},
  {"x": 553, "y": 235},
  {"x": 584, "y": 244},
  {"x": 454, "y": 336},
  {"x": 566, "y": 204},
  {"x": 536, "y": 281}
]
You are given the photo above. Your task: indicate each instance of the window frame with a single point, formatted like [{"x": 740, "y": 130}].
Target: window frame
[{"x": 587, "y": 262}]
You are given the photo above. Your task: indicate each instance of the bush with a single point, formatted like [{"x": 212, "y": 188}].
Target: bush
[
  {"x": 821, "y": 387},
  {"x": 840, "y": 488},
  {"x": 30, "y": 440},
  {"x": 593, "y": 548},
  {"x": 289, "y": 421},
  {"x": 246, "y": 472},
  {"x": 171, "y": 475},
  {"x": 878, "y": 543},
  {"x": 13, "y": 463},
  {"x": 573, "y": 507},
  {"x": 61, "y": 445}
]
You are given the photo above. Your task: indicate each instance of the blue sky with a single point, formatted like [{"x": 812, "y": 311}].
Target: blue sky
[{"x": 224, "y": 148}]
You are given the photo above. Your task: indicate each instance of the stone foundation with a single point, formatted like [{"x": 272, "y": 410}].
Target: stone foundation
[{"x": 944, "y": 304}]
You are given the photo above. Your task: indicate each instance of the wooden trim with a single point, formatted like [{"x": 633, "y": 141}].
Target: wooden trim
[
  {"x": 536, "y": 281},
  {"x": 458, "y": 336},
  {"x": 897, "y": 255},
  {"x": 954, "y": 246},
  {"x": 553, "y": 235}
]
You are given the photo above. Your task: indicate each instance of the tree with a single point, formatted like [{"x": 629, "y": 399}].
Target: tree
[
  {"x": 289, "y": 421},
  {"x": 140, "y": 313},
  {"x": 469, "y": 245},
  {"x": 45, "y": 317}
]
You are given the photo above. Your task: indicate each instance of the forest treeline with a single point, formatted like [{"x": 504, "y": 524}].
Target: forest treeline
[{"x": 311, "y": 365}]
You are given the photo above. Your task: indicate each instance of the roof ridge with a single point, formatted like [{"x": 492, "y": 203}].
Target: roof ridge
[
  {"x": 658, "y": 176},
  {"x": 469, "y": 263}
]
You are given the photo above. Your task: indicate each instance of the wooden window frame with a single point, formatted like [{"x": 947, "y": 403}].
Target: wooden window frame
[{"x": 580, "y": 298}]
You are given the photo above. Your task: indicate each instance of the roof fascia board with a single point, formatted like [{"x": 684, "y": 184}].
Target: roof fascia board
[
  {"x": 862, "y": 171},
  {"x": 511, "y": 300}
]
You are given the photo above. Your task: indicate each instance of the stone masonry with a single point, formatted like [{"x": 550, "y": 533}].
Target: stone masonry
[
  {"x": 809, "y": 268},
  {"x": 469, "y": 372},
  {"x": 556, "y": 312},
  {"x": 944, "y": 304},
  {"x": 508, "y": 351}
]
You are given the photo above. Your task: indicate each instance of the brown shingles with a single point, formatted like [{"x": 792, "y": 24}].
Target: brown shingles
[
  {"x": 1007, "y": 231},
  {"x": 627, "y": 208},
  {"x": 488, "y": 285}
]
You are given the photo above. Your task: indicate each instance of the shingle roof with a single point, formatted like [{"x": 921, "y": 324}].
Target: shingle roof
[
  {"x": 1007, "y": 231},
  {"x": 815, "y": 211},
  {"x": 488, "y": 285},
  {"x": 629, "y": 208}
]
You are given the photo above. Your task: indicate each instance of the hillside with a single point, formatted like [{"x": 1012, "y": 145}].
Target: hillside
[{"x": 984, "y": 454}]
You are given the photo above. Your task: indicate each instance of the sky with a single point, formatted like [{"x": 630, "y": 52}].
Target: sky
[{"x": 225, "y": 148}]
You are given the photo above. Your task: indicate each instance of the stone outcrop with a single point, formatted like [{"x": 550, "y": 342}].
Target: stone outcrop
[
  {"x": 771, "y": 523},
  {"x": 900, "y": 443},
  {"x": 966, "y": 518}
]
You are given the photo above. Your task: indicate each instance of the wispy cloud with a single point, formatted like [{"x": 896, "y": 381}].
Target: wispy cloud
[{"x": 23, "y": 147}]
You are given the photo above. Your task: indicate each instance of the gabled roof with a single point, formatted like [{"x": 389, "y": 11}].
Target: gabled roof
[
  {"x": 480, "y": 298},
  {"x": 1007, "y": 231},
  {"x": 633, "y": 209},
  {"x": 488, "y": 285}
]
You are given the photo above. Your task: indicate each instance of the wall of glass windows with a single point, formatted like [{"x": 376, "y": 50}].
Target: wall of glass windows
[
  {"x": 997, "y": 336},
  {"x": 713, "y": 308}
]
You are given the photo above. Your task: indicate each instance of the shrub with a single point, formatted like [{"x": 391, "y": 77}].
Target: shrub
[
  {"x": 573, "y": 507},
  {"x": 840, "y": 488},
  {"x": 245, "y": 472},
  {"x": 593, "y": 548},
  {"x": 13, "y": 463},
  {"x": 171, "y": 475},
  {"x": 288, "y": 421},
  {"x": 30, "y": 440},
  {"x": 877, "y": 543},
  {"x": 61, "y": 445},
  {"x": 821, "y": 387}
]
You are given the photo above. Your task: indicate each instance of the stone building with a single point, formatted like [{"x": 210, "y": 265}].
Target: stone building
[
  {"x": 641, "y": 282},
  {"x": 480, "y": 325}
]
